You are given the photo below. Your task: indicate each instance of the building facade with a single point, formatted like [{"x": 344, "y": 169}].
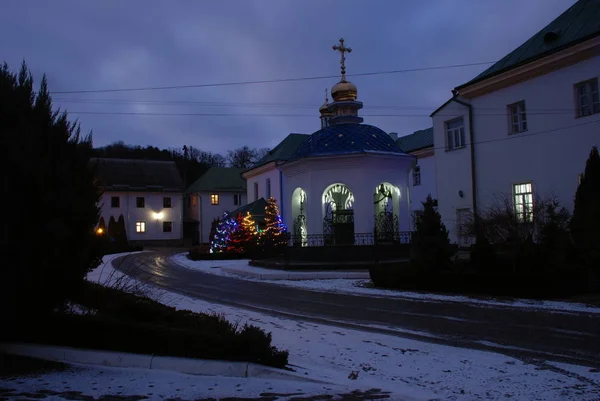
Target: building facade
[
  {"x": 523, "y": 128},
  {"x": 147, "y": 194},
  {"x": 218, "y": 190}
]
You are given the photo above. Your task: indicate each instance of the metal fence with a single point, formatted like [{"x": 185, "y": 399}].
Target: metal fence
[{"x": 360, "y": 239}]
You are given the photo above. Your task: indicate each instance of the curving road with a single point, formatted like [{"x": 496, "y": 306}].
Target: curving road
[{"x": 526, "y": 334}]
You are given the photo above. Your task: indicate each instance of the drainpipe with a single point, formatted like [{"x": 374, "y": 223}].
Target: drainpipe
[
  {"x": 472, "y": 148},
  {"x": 281, "y": 202},
  {"x": 181, "y": 206},
  {"x": 200, "y": 218}
]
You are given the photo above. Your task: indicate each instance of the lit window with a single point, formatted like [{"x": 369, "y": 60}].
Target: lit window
[
  {"x": 523, "y": 198},
  {"x": 194, "y": 201},
  {"x": 455, "y": 134},
  {"x": 140, "y": 226},
  {"x": 140, "y": 201},
  {"x": 214, "y": 199},
  {"x": 587, "y": 98},
  {"x": 167, "y": 202},
  {"x": 417, "y": 176},
  {"x": 167, "y": 226},
  {"x": 517, "y": 118}
]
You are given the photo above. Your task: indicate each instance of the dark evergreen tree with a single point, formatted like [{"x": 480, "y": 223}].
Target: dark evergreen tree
[
  {"x": 111, "y": 232},
  {"x": 430, "y": 247},
  {"x": 121, "y": 234},
  {"x": 554, "y": 238},
  {"x": 585, "y": 224},
  {"x": 49, "y": 234}
]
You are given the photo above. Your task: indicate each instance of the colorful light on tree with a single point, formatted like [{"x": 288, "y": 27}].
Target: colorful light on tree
[
  {"x": 274, "y": 234},
  {"x": 224, "y": 229}
]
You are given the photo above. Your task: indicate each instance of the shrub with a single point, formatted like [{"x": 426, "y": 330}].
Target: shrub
[
  {"x": 57, "y": 209},
  {"x": 585, "y": 225},
  {"x": 430, "y": 245}
]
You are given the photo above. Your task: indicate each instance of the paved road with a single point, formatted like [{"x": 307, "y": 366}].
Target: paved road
[{"x": 526, "y": 334}]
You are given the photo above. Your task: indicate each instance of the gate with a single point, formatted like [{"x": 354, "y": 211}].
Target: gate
[{"x": 386, "y": 226}]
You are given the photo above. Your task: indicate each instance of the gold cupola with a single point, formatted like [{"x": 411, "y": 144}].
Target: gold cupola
[{"x": 343, "y": 90}]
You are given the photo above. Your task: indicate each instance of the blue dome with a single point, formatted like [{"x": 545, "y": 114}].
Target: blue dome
[{"x": 346, "y": 139}]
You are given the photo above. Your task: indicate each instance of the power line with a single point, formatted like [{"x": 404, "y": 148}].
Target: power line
[
  {"x": 290, "y": 105},
  {"x": 287, "y": 115},
  {"x": 269, "y": 81}
]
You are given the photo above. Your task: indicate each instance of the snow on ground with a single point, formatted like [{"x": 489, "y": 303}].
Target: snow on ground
[
  {"x": 405, "y": 367},
  {"x": 98, "y": 381},
  {"x": 364, "y": 287}
]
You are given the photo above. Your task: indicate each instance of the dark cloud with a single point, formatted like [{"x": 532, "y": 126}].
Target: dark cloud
[{"x": 135, "y": 43}]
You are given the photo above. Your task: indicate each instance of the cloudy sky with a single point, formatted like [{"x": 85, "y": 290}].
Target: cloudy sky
[{"x": 118, "y": 44}]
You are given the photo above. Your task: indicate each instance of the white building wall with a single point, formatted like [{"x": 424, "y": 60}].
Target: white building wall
[
  {"x": 550, "y": 154},
  {"x": 428, "y": 185},
  {"x": 453, "y": 169},
  {"x": 153, "y": 205},
  {"x": 200, "y": 208},
  {"x": 361, "y": 174},
  {"x": 271, "y": 174}
]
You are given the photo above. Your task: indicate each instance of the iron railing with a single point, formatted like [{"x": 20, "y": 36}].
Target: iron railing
[{"x": 360, "y": 239}]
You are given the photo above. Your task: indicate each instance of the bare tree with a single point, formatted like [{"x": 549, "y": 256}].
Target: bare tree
[{"x": 243, "y": 157}]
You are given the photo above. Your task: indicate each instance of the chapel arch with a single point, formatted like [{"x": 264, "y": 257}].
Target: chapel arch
[
  {"x": 338, "y": 215},
  {"x": 386, "y": 205},
  {"x": 300, "y": 234}
]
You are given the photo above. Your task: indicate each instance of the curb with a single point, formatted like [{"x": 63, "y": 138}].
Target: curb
[
  {"x": 283, "y": 275},
  {"x": 127, "y": 360}
]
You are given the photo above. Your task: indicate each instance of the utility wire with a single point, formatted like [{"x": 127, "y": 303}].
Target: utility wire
[
  {"x": 284, "y": 105},
  {"x": 287, "y": 115},
  {"x": 268, "y": 81}
]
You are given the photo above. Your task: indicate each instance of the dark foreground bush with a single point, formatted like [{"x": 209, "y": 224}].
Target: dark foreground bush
[
  {"x": 494, "y": 283},
  {"x": 129, "y": 323}
]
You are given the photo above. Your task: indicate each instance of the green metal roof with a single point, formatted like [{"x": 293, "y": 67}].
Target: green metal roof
[
  {"x": 223, "y": 179},
  {"x": 579, "y": 23},
  {"x": 256, "y": 209},
  {"x": 283, "y": 151},
  {"x": 417, "y": 140}
]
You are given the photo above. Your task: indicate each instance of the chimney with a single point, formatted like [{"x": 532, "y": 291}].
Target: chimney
[{"x": 394, "y": 135}]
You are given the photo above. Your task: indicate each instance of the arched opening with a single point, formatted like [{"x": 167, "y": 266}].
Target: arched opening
[
  {"x": 338, "y": 215},
  {"x": 386, "y": 205},
  {"x": 300, "y": 233}
]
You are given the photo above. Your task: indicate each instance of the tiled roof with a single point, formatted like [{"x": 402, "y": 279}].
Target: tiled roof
[
  {"x": 346, "y": 139},
  {"x": 284, "y": 150},
  {"x": 417, "y": 140},
  {"x": 579, "y": 23},
  {"x": 222, "y": 179},
  {"x": 140, "y": 175}
]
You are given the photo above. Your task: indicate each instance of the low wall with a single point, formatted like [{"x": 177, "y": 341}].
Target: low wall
[{"x": 329, "y": 254}]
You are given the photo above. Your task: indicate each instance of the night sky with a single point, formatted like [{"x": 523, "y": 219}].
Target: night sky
[{"x": 109, "y": 44}]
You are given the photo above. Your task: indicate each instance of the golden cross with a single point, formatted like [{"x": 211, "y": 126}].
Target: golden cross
[
  {"x": 342, "y": 49},
  {"x": 326, "y": 97}
]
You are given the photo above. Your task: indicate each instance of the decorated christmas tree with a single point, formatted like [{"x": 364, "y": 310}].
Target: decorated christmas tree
[
  {"x": 224, "y": 229},
  {"x": 237, "y": 239},
  {"x": 274, "y": 235},
  {"x": 248, "y": 228}
]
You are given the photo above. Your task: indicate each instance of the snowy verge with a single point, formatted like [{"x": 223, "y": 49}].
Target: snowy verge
[{"x": 361, "y": 287}]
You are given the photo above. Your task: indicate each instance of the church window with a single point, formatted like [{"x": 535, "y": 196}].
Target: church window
[
  {"x": 237, "y": 199},
  {"x": 167, "y": 226},
  {"x": 214, "y": 199},
  {"x": 523, "y": 201},
  {"x": 140, "y": 226},
  {"x": 517, "y": 118},
  {"x": 140, "y": 202},
  {"x": 167, "y": 202},
  {"x": 455, "y": 134},
  {"x": 268, "y": 188},
  {"x": 587, "y": 98},
  {"x": 417, "y": 176},
  {"x": 256, "y": 191},
  {"x": 115, "y": 201}
]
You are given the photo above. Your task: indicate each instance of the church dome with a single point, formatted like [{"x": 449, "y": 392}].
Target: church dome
[
  {"x": 324, "y": 109},
  {"x": 343, "y": 91},
  {"x": 346, "y": 139}
]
